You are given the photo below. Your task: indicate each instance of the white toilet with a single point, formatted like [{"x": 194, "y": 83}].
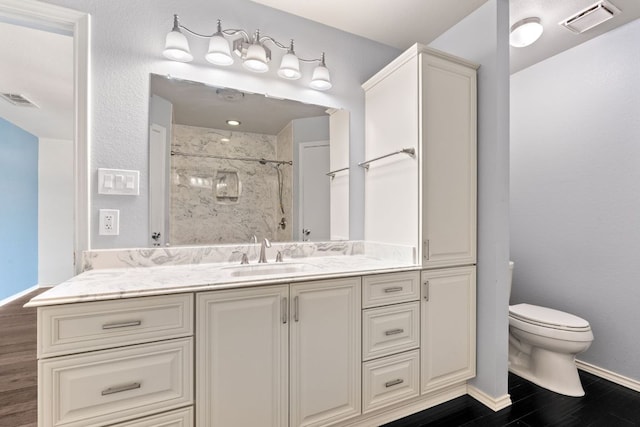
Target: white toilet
[{"x": 543, "y": 344}]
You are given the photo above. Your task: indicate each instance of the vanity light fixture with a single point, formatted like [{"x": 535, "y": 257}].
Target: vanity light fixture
[
  {"x": 252, "y": 50},
  {"x": 525, "y": 32},
  {"x": 176, "y": 46},
  {"x": 233, "y": 122}
]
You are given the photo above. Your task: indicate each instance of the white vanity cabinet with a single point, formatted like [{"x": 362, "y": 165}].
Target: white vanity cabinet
[
  {"x": 279, "y": 355},
  {"x": 242, "y": 357},
  {"x": 102, "y": 363},
  {"x": 390, "y": 339},
  {"x": 424, "y": 100},
  {"x": 448, "y": 329},
  {"x": 340, "y": 352}
]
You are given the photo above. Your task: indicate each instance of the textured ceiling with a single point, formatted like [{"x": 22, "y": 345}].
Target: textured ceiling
[
  {"x": 556, "y": 38},
  {"x": 404, "y": 22},
  {"x": 38, "y": 65},
  {"x": 196, "y": 104},
  {"x": 399, "y": 23}
]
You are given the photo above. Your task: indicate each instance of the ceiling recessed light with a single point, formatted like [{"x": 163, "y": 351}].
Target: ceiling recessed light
[
  {"x": 525, "y": 32},
  {"x": 233, "y": 122},
  {"x": 225, "y": 139}
]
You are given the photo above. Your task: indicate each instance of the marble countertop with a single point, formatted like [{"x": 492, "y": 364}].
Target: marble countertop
[{"x": 116, "y": 283}]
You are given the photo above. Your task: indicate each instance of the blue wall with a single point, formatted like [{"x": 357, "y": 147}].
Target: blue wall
[{"x": 18, "y": 209}]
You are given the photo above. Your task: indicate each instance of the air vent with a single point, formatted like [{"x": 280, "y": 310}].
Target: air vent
[
  {"x": 17, "y": 99},
  {"x": 590, "y": 17},
  {"x": 230, "y": 95}
]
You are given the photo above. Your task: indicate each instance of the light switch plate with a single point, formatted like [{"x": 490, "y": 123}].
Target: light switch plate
[{"x": 118, "y": 182}]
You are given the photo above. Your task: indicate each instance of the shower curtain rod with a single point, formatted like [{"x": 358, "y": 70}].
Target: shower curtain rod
[{"x": 244, "y": 159}]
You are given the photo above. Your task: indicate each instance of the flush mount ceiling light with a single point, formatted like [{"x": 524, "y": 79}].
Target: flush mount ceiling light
[
  {"x": 588, "y": 18},
  {"x": 525, "y": 32},
  {"x": 233, "y": 122},
  {"x": 252, "y": 50}
]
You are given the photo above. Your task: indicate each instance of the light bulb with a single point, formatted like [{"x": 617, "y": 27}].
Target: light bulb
[
  {"x": 176, "y": 46},
  {"x": 219, "y": 52},
  {"x": 256, "y": 59}
]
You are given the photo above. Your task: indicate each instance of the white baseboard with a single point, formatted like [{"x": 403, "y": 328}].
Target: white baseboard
[
  {"x": 493, "y": 403},
  {"x": 11, "y": 298},
  {"x": 608, "y": 375},
  {"x": 413, "y": 406}
]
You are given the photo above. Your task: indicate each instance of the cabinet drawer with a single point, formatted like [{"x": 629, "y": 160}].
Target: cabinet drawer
[
  {"x": 109, "y": 386},
  {"x": 391, "y": 288},
  {"x": 75, "y": 328},
  {"x": 390, "y": 380},
  {"x": 388, "y": 330},
  {"x": 179, "y": 418}
]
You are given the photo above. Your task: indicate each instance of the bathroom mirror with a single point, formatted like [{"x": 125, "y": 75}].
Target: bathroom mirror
[{"x": 226, "y": 166}]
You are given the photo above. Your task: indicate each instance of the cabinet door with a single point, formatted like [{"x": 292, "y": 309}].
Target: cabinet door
[
  {"x": 242, "y": 358},
  {"x": 449, "y": 163},
  {"x": 325, "y": 352},
  {"x": 392, "y": 184},
  {"x": 448, "y": 332}
]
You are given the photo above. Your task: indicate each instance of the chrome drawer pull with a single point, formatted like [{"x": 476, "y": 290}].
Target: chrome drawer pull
[
  {"x": 122, "y": 325},
  {"x": 394, "y": 289},
  {"x": 394, "y": 331},
  {"x": 393, "y": 382},
  {"x": 121, "y": 388}
]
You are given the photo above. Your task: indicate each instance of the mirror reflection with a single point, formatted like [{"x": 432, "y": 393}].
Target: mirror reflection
[{"x": 232, "y": 167}]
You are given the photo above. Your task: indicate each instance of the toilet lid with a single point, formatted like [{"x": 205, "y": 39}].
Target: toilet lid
[{"x": 548, "y": 317}]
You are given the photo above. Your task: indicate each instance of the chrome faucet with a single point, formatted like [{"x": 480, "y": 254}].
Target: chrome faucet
[{"x": 263, "y": 255}]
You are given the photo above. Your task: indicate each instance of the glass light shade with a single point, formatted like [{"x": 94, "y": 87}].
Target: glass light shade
[
  {"x": 176, "y": 47},
  {"x": 525, "y": 32},
  {"x": 321, "y": 80},
  {"x": 256, "y": 59},
  {"x": 219, "y": 51},
  {"x": 289, "y": 67}
]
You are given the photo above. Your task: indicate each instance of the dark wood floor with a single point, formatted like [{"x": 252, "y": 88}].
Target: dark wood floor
[
  {"x": 18, "y": 367},
  {"x": 605, "y": 405}
]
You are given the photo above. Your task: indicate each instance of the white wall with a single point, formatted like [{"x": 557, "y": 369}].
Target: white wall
[
  {"x": 483, "y": 37},
  {"x": 55, "y": 211},
  {"x": 339, "y": 184},
  {"x": 575, "y": 191},
  {"x": 127, "y": 39}
]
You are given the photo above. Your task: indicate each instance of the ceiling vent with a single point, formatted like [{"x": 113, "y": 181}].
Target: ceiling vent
[
  {"x": 230, "y": 95},
  {"x": 17, "y": 99},
  {"x": 590, "y": 17}
]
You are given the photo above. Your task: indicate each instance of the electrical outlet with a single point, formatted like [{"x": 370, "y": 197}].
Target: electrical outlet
[{"x": 109, "y": 224}]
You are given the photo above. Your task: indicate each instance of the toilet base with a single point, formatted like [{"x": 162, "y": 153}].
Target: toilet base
[{"x": 554, "y": 371}]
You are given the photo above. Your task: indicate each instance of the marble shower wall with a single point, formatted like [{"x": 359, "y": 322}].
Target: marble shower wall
[{"x": 206, "y": 205}]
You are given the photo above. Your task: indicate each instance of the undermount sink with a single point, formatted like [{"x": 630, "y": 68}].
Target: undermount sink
[{"x": 267, "y": 269}]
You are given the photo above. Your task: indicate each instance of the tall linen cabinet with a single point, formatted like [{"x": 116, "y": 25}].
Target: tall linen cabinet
[{"x": 425, "y": 101}]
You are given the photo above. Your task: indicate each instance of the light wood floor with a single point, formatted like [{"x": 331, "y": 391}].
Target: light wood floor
[{"x": 18, "y": 367}]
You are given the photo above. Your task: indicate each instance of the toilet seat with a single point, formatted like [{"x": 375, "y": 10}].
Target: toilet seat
[
  {"x": 549, "y": 323},
  {"x": 548, "y": 318}
]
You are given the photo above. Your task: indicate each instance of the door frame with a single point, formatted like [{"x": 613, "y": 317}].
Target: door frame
[
  {"x": 44, "y": 15},
  {"x": 297, "y": 232}
]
